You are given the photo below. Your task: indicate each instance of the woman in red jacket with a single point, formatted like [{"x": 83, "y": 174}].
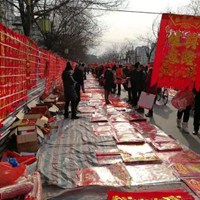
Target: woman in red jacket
[{"x": 119, "y": 78}]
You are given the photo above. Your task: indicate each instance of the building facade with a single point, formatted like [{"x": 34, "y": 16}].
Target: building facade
[{"x": 141, "y": 55}]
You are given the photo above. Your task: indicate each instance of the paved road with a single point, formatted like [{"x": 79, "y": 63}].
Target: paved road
[{"x": 165, "y": 118}]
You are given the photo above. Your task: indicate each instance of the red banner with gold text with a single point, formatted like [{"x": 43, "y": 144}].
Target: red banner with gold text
[{"x": 177, "y": 58}]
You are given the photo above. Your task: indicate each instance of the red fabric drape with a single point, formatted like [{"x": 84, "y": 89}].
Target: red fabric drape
[{"x": 177, "y": 58}]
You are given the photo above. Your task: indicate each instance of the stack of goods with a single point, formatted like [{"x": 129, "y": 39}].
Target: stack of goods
[
  {"x": 137, "y": 153},
  {"x": 162, "y": 142},
  {"x": 108, "y": 156},
  {"x": 112, "y": 175},
  {"x": 30, "y": 129},
  {"x": 186, "y": 166}
]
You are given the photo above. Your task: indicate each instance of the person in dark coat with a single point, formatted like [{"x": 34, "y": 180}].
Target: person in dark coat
[
  {"x": 134, "y": 81},
  {"x": 108, "y": 83},
  {"x": 78, "y": 76},
  {"x": 196, "y": 122},
  {"x": 140, "y": 85},
  {"x": 69, "y": 91}
]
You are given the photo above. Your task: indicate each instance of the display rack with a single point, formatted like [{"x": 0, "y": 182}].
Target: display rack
[
  {"x": 26, "y": 72},
  {"x": 34, "y": 94}
]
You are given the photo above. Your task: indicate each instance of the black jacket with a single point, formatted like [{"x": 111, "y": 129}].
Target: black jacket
[
  {"x": 78, "y": 76},
  {"x": 69, "y": 85}
]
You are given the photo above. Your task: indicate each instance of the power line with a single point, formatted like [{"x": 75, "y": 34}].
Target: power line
[{"x": 126, "y": 11}]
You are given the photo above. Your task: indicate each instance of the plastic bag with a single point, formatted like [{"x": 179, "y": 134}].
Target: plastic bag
[
  {"x": 182, "y": 99},
  {"x": 10, "y": 174}
]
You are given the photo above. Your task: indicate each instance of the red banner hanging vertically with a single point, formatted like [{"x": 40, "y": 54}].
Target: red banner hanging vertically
[{"x": 177, "y": 58}]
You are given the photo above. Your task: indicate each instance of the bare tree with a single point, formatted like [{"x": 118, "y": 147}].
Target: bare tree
[
  {"x": 118, "y": 52},
  {"x": 193, "y": 8},
  {"x": 31, "y": 10},
  {"x": 150, "y": 42},
  {"x": 74, "y": 25}
]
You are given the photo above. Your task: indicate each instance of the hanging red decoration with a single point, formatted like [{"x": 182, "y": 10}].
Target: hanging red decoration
[{"x": 177, "y": 57}]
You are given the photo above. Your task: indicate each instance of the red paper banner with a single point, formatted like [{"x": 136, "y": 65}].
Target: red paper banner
[
  {"x": 177, "y": 55},
  {"x": 22, "y": 64},
  {"x": 179, "y": 194}
]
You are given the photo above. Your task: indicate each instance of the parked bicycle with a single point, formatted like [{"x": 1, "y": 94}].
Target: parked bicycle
[{"x": 162, "y": 95}]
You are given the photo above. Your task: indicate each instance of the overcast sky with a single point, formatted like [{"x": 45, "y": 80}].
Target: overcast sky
[{"x": 119, "y": 26}]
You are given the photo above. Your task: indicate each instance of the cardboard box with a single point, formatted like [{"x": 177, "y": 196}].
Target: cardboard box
[
  {"x": 44, "y": 110},
  {"x": 32, "y": 116},
  {"x": 27, "y": 124},
  {"x": 27, "y": 143},
  {"x": 60, "y": 105}
]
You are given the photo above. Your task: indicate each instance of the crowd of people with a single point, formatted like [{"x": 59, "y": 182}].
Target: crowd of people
[{"x": 135, "y": 78}]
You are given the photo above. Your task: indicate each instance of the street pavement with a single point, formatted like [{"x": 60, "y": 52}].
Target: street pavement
[{"x": 164, "y": 117}]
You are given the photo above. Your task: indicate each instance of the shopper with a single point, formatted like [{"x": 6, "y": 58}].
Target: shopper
[
  {"x": 140, "y": 85},
  {"x": 152, "y": 89},
  {"x": 196, "y": 121},
  {"x": 78, "y": 76},
  {"x": 183, "y": 118},
  {"x": 108, "y": 83},
  {"x": 133, "y": 80},
  {"x": 119, "y": 79},
  {"x": 69, "y": 91}
]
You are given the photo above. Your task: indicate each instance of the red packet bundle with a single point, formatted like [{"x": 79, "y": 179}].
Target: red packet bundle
[
  {"x": 87, "y": 109},
  {"x": 112, "y": 151},
  {"x": 145, "y": 126},
  {"x": 111, "y": 110},
  {"x": 151, "y": 174},
  {"x": 134, "y": 117},
  {"x": 125, "y": 133},
  {"x": 160, "y": 136},
  {"x": 120, "y": 103},
  {"x": 138, "y": 153},
  {"x": 187, "y": 169},
  {"x": 86, "y": 94},
  {"x": 95, "y": 103},
  {"x": 103, "y": 130},
  {"x": 108, "y": 156},
  {"x": 166, "y": 155},
  {"x": 166, "y": 146},
  {"x": 123, "y": 127},
  {"x": 128, "y": 137},
  {"x": 185, "y": 156},
  {"x": 40, "y": 110},
  {"x": 112, "y": 175},
  {"x": 99, "y": 118},
  {"x": 179, "y": 194},
  {"x": 97, "y": 96},
  {"x": 108, "y": 159},
  {"x": 97, "y": 91},
  {"x": 85, "y": 98},
  {"x": 118, "y": 118},
  {"x": 193, "y": 184}
]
